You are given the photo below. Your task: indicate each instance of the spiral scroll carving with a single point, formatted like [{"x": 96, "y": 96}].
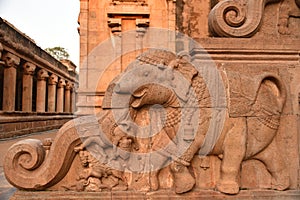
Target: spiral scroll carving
[
  {"x": 237, "y": 18},
  {"x": 28, "y": 167},
  {"x": 26, "y": 154}
]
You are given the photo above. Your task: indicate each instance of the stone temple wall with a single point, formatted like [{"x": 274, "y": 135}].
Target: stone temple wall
[
  {"x": 37, "y": 91},
  {"x": 191, "y": 99}
]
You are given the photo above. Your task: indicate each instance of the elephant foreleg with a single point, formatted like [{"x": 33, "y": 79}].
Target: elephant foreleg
[
  {"x": 275, "y": 164},
  {"x": 234, "y": 148}
]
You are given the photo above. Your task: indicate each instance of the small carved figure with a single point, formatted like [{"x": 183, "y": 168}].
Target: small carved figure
[
  {"x": 106, "y": 171},
  {"x": 288, "y": 9},
  {"x": 96, "y": 176}
]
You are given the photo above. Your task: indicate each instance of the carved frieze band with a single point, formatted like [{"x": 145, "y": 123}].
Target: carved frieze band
[{"x": 237, "y": 18}]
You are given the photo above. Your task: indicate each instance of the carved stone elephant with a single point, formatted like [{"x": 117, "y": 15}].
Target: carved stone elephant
[
  {"x": 160, "y": 77},
  {"x": 175, "y": 84}
]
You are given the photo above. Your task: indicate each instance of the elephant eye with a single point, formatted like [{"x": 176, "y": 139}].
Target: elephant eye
[{"x": 146, "y": 74}]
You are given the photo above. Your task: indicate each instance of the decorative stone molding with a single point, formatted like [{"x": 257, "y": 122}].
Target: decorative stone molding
[
  {"x": 139, "y": 2},
  {"x": 29, "y": 68},
  {"x": 61, "y": 83},
  {"x": 42, "y": 74},
  {"x": 237, "y": 18},
  {"x": 53, "y": 79},
  {"x": 11, "y": 60}
]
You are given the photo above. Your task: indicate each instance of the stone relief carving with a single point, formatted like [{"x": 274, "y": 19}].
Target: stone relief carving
[
  {"x": 288, "y": 9},
  {"x": 237, "y": 18},
  {"x": 158, "y": 121},
  {"x": 96, "y": 176}
]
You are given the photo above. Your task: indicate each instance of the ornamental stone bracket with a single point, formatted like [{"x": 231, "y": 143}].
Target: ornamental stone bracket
[
  {"x": 11, "y": 60},
  {"x": 29, "y": 68},
  {"x": 141, "y": 26},
  {"x": 115, "y": 25},
  {"x": 142, "y": 22},
  {"x": 237, "y": 18}
]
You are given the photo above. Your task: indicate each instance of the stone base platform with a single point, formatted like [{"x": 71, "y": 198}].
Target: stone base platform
[{"x": 162, "y": 194}]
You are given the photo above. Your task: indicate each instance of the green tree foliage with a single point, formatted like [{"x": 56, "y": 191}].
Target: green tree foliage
[{"x": 59, "y": 53}]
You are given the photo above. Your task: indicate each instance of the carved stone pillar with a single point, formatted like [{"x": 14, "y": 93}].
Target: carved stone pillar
[
  {"x": 60, "y": 96},
  {"x": 52, "y": 82},
  {"x": 41, "y": 91},
  {"x": 73, "y": 99},
  {"x": 1, "y": 49},
  {"x": 67, "y": 102},
  {"x": 27, "y": 86},
  {"x": 9, "y": 82}
]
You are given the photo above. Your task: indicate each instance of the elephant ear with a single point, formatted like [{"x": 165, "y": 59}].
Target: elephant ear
[
  {"x": 271, "y": 95},
  {"x": 251, "y": 93},
  {"x": 184, "y": 72}
]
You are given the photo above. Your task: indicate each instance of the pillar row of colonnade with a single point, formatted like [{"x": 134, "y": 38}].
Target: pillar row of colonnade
[{"x": 30, "y": 88}]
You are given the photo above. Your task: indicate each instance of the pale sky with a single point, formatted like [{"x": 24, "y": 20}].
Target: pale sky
[{"x": 49, "y": 23}]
